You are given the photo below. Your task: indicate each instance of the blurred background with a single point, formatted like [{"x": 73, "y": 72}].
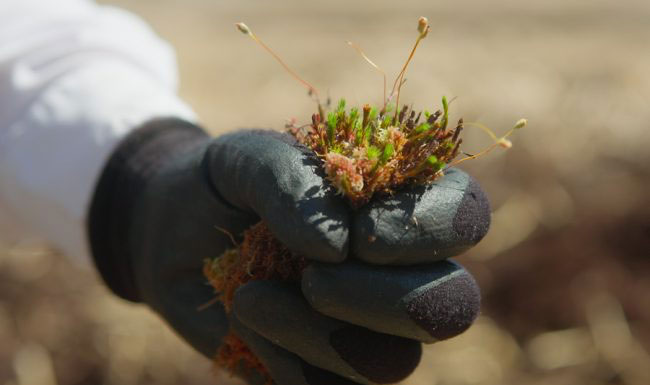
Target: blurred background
[{"x": 565, "y": 269}]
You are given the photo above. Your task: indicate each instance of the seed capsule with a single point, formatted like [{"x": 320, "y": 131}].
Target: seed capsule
[
  {"x": 423, "y": 26},
  {"x": 521, "y": 123},
  {"x": 505, "y": 143},
  {"x": 243, "y": 28}
]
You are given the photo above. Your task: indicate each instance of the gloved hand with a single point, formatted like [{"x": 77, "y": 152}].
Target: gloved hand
[{"x": 169, "y": 192}]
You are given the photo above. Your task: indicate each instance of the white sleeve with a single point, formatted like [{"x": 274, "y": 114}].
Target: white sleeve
[{"x": 75, "y": 78}]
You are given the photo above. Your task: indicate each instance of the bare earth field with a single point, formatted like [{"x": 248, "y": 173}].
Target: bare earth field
[{"x": 565, "y": 269}]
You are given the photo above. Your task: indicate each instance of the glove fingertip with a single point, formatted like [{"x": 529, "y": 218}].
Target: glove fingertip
[
  {"x": 447, "y": 309},
  {"x": 473, "y": 215},
  {"x": 423, "y": 224}
]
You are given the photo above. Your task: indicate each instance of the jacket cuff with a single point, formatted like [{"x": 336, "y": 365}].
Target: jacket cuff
[{"x": 136, "y": 159}]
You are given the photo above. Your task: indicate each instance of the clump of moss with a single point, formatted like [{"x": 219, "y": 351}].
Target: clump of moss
[
  {"x": 365, "y": 152},
  {"x": 236, "y": 357},
  {"x": 259, "y": 257},
  {"x": 370, "y": 150}
]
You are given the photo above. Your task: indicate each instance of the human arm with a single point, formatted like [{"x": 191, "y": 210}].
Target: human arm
[{"x": 75, "y": 79}]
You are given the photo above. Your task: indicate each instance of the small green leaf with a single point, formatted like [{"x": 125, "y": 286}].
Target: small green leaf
[
  {"x": 388, "y": 120},
  {"x": 372, "y": 152},
  {"x": 434, "y": 163},
  {"x": 331, "y": 134},
  {"x": 341, "y": 106},
  {"x": 332, "y": 120},
  {"x": 389, "y": 149},
  {"x": 373, "y": 114},
  {"x": 422, "y": 127},
  {"x": 356, "y": 126},
  {"x": 445, "y": 114},
  {"x": 354, "y": 115},
  {"x": 358, "y": 135},
  {"x": 367, "y": 133}
]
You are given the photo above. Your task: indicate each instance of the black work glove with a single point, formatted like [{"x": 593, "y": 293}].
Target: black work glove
[{"x": 379, "y": 283}]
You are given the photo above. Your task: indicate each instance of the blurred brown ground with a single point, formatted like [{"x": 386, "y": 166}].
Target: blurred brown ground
[{"x": 565, "y": 269}]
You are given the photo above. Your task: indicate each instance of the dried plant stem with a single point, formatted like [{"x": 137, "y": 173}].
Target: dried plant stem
[
  {"x": 459, "y": 161},
  {"x": 502, "y": 141},
  {"x": 423, "y": 28},
  {"x": 485, "y": 129},
  {"x": 312, "y": 90},
  {"x": 363, "y": 55},
  {"x": 400, "y": 77}
]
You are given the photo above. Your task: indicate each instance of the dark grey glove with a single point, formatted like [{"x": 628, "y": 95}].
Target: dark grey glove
[{"x": 169, "y": 191}]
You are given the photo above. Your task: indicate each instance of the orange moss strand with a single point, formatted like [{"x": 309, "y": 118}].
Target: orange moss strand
[
  {"x": 259, "y": 257},
  {"x": 235, "y": 356}
]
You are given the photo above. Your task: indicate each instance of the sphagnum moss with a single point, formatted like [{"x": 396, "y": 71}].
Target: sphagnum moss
[{"x": 366, "y": 151}]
